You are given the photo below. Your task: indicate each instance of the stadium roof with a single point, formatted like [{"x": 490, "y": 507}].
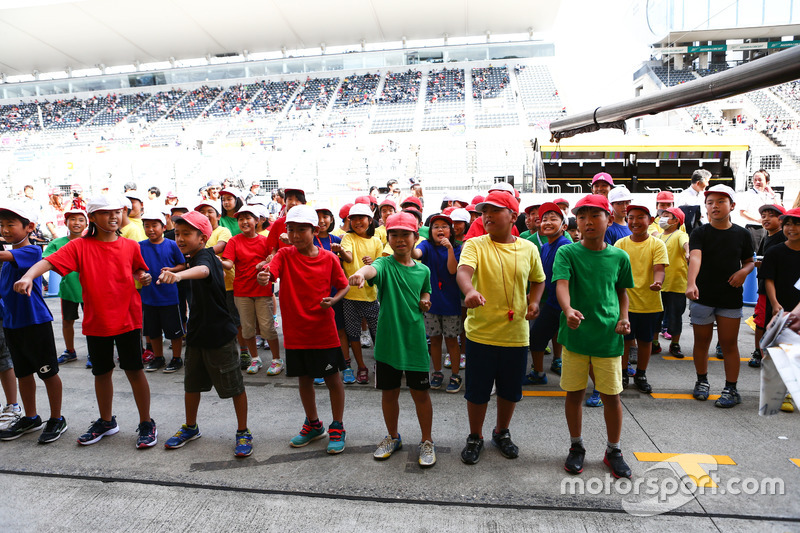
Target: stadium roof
[
  {"x": 51, "y": 35},
  {"x": 722, "y": 34}
]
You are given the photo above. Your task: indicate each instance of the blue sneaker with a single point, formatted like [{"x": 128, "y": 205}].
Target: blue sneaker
[
  {"x": 718, "y": 352},
  {"x": 594, "y": 400},
  {"x": 67, "y": 357},
  {"x": 184, "y": 435},
  {"x": 337, "y": 437},
  {"x": 88, "y": 362},
  {"x": 148, "y": 434},
  {"x": 436, "y": 380},
  {"x": 728, "y": 398},
  {"x": 631, "y": 370},
  {"x": 244, "y": 443},
  {"x": 308, "y": 433},
  {"x": 319, "y": 381},
  {"x": 534, "y": 378},
  {"x": 555, "y": 366},
  {"x": 348, "y": 376}
]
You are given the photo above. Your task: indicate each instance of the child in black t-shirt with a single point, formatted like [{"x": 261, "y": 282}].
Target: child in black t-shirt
[{"x": 720, "y": 259}]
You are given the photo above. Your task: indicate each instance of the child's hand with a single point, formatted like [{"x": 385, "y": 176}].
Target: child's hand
[
  {"x": 367, "y": 260},
  {"x": 737, "y": 279},
  {"x": 623, "y": 326},
  {"x": 692, "y": 293},
  {"x": 23, "y": 286},
  {"x": 326, "y": 302},
  {"x": 656, "y": 286},
  {"x": 424, "y": 305},
  {"x": 474, "y": 299},
  {"x": 574, "y": 318},
  {"x": 284, "y": 238},
  {"x": 356, "y": 280},
  {"x": 264, "y": 277},
  {"x": 336, "y": 247},
  {"x": 758, "y": 264},
  {"x": 446, "y": 243},
  {"x": 168, "y": 277},
  {"x": 533, "y": 311},
  {"x": 145, "y": 278}
]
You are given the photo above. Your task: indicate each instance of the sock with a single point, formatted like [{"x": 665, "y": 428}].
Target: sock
[
  {"x": 148, "y": 346},
  {"x": 315, "y": 423},
  {"x": 730, "y": 385},
  {"x": 611, "y": 446},
  {"x": 245, "y": 430},
  {"x": 640, "y": 373},
  {"x": 576, "y": 440},
  {"x": 244, "y": 350},
  {"x": 703, "y": 378},
  {"x": 193, "y": 426},
  {"x": 347, "y": 362}
]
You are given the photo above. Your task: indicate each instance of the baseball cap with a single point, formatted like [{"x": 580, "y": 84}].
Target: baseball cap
[
  {"x": 641, "y": 207},
  {"x": 135, "y": 195},
  {"x": 561, "y": 201},
  {"x": 171, "y": 194},
  {"x": 592, "y": 200},
  {"x": 460, "y": 215},
  {"x": 461, "y": 198},
  {"x": 471, "y": 207},
  {"x": 344, "y": 211},
  {"x": 477, "y": 199},
  {"x": 179, "y": 206},
  {"x": 196, "y": 220},
  {"x": 413, "y": 200},
  {"x": 498, "y": 198},
  {"x": 794, "y": 213},
  {"x": 302, "y": 214},
  {"x": 550, "y": 206},
  {"x": 603, "y": 176},
  {"x": 722, "y": 189},
  {"x": 441, "y": 216},
  {"x": 21, "y": 211},
  {"x": 773, "y": 207},
  {"x": 620, "y": 194},
  {"x": 69, "y": 212},
  {"x": 236, "y": 193},
  {"x": 447, "y": 210},
  {"x": 360, "y": 210},
  {"x": 106, "y": 202},
  {"x": 154, "y": 215},
  {"x": 501, "y": 186},
  {"x": 531, "y": 208},
  {"x": 323, "y": 207},
  {"x": 678, "y": 212},
  {"x": 258, "y": 200},
  {"x": 389, "y": 202},
  {"x": 365, "y": 199},
  {"x": 252, "y": 209},
  {"x": 210, "y": 203},
  {"x": 402, "y": 221},
  {"x": 214, "y": 183},
  {"x": 54, "y": 192},
  {"x": 295, "y": 190},
  {"x": 665, "y": 196}
]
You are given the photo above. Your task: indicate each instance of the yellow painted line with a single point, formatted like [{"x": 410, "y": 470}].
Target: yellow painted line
[
  {"x": 665, "y": 396},
  {"x": 546, "y": 393},
  {"x": 690, "y": 463},
  {"x": 689, "y": 358},
  {"x": 795, "y": 461}
]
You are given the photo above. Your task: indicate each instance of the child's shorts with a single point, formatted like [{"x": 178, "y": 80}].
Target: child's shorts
[
  {"x": 231, "y": 305},
  {"x": 258, "y": 308},
  {"x": 544, "y": 327},
  {"x": 129, "y": 348},
  {"x": 338, "y": 314},
  {"x": 354, "y": 311},
  {"x": 69, "y": 310},
  {"x": 575, "y": 372},
  {"x": 5, "y": 356},
  {"x": 447, "y": 325},
  {"x": 388, "y": 377},
  {"x": 489, "y": 365},
  {"x": 758, "y": 313},
  {"x": 643, "y": 326},
  {"x": 703, "y": 315},
  {"x": 164, "y": 319},
  {"x": 314, "y": 362},
  {"x": 217, "y": 367},
  {"x": 33, "y": 350}
]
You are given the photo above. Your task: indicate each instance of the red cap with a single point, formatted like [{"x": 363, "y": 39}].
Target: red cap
[
  {"x": 171, "y": 194},
  {"x": 794, "y": 213},
  {"x": 593, "y": 200},
  {"x": 532, "y": 207},
  {"x": 54, "y": 192},
  {"x": 772, "y": 207},
  {"x": 448, "y": 210},
  {"x": 478, "y": 199},
  {"x": 366, "y": 199},
  {"x": 679, "y": 214},
  {"x": 471, "y": 207},
  {"x": 412, "y": 200},
  {"x": 345, "y": 211},
  {"x": 603, "y": 176},
  {"x": 665, "y": 196},
  {"x": 550, "y": 206},
  {"x": 516, "y": 194},
  {"x": 561, "y": 201},
  {"x": 444, "y": 217},
  {"x": 499, "y": 199},
  {"x": 389, "y": 202},
  {"x": 640, "y": 207},
  {"x": 402, "y": 221},
  {"x": 196, "y": 220}
]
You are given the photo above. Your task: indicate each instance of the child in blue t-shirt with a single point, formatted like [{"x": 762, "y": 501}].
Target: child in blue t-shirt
[
  {"x": 160, "y": 303},
  {"x": 441, "y": 256}
]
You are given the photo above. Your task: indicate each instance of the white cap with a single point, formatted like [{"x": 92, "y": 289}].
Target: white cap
[
  {"x": 154, "y": 215},
  {"x": 252, "y": 209},
  {"x": 360, "y": 209},
  {"x": 722, "y": 189},
  {"x": 106, "y": 202},
  {"x": 302, "y": 214},
  {"x": 69, "y": 212},
  {"x": 210, "y": 203},
  {"x": 449, "y": 197},
  {"x": 324, "y": 206},
  {"x": 460, "y": 215},
  {"x": 461, "y": 198},
  {"x": 21, "y": 211},
  {"x": 258, "y": 200},
  {"x": 232, "y": 191},
  {"x": 135, "y": 195},
  {"x": 620, "y": 193},
  {"x": 502, "y": 186}
]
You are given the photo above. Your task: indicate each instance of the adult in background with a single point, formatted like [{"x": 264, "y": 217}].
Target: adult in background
[
  {"x": 275, "y": 207},
  {"x": 254, "y": 188},
  {"x": 212, "y": 189},
  {"x": 171, "y": 199},
  {"x": 394, "y": 191},
  {"x": 77, "y": 197},
  {"x": 750, "y": 202},
  {"x": 129, "y": 186},
  {"x": 416, "y": 192},
  {"x": 53, "y": 216},
  {"x": 691, "y": 200}
]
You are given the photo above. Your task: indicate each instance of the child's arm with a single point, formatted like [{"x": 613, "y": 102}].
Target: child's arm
[
  {"x": 416, "y": 253},
  {"x": 686, "y": 250},
  {"x": 659, "y": 271},
  {"x": 793, "y": 320},
  {"x": 695, "y": 258},
  {"x": 738, "y": 277},
  {"x": 623, "y": 324},
  {"x": 6, "y": 256},
  {"x": 330, "y": 301},
  {"x": 574, "y": 317},
  {"x": 472, "y": 298},
  {"x": 425, "y": 302},
  {"x": 769, "y": 285},
  {"x": 227, "y": 264},
  {"x": 534, "y": 297},
  {"x": 176, "y": 268},
  {"x": 346, "y": 256},
  {"x": 143, "y": 277},
  {"x": 219, "y": 247},
  {"x": 362, "y": 274},
  {"x": 452, "y": 262},
  {"x": 169, "y": 276},
  {"x": 25, "y": 283}
]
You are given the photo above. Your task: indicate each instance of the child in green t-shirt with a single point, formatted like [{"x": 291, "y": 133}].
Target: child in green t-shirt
[
  {"x": 404, "y": 289},
  {"x": 591, "y": 281},
  {"x": 69, "y": 289}
]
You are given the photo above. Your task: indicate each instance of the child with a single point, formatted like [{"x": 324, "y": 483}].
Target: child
[
  {"x": 277, "y": 233},
  {"x": 720, "y": 259},
  {"x": 673, "y": 292},
  {"x": 532, "y": 223},
  {"x": 572, "y": 229},
  {"x": 107, "y": 266},
  {"x": 461, "y": 219},
  {"x": 254, "y": 303},
  {"x": 312, "y": 345},
  {"x": 360, "y": 247},
  {"x": 132, "y": 227},
  {"x": 591, "y": 281},
  {"x": 344, "y": 212},
  {"x": 211, "y": 355},
  {"x": 780, "y": 270},
  {"x": 69, "y": 289},
  {"x": 28, "y": 330},
  {"x": 231, "y": 203},
  {"x": 387, "y": 207},
  {"x": 404, "y": 287},
  {"x": 441, "y": 256},
  {"x": 160, "y": 303},
  {"x": 493, "y": 274},
  {"x": 545, "y": 327},
  {"x": 648, "y": 258},
  {"x": 619, "y": 198}
]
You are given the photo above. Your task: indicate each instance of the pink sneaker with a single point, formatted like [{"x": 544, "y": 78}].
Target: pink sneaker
[
  {"x": 148, "y": 356},
  {"x": 665, "y": 334},
  {"x": 362, "y": 376}
]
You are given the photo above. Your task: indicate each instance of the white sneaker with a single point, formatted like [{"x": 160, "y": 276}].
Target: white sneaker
[
  {"x": 275, "y": 367},
  {"x": 255, "y": 365},
  {"x": 366, "y": 340},
  {"x": 9, "y": 415},
  {"x": 463, "y": 361},
  {"x": 427, "y": 454}
]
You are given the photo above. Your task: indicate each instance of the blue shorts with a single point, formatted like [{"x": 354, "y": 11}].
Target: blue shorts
[
  {"x": 643, "y": 326},
  {"x": 489, "y": 365},
  {"x": 545, "y": 327},
  {"x": 703, "y": 315}
]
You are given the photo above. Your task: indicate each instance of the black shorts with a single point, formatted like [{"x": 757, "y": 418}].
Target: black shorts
[
  {"x": 643, "y": 326},
  {"x": 164, "y": 319},
  {"x": 503, "y": 366},
  {"x": 129, "y": 348},
  {"x": 338, "y": 314},
  {"x": 69, "y": 310},
  {"x": 214, "y": 366},
  {"x": 232, "y": 308},
  {"x": 544, "y": 327},
  {"x": 33, "y": 350},
  {"x": 388, "y": 377},
  {"x": 314, "y": 362}
]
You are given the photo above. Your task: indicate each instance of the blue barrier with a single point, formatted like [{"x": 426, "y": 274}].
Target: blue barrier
[
  {"x": 53, "y": 281},
  {"x": 751, "y": 288}
]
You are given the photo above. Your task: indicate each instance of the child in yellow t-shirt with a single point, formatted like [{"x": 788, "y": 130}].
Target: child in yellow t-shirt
[{"x": 673, "y": 292}]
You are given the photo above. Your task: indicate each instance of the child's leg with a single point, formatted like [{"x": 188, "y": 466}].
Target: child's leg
[
  {"x": 422, "y": 401},
  {"x": 612, "y": 412},
  {"x": 505, "y": 410},
  {"x": 538, "y": 361},
  {"x": 191, "y": 401},
  {"x": 702, "y": 342},
  {"x": 390, "y": 405},
  {"x": 177, "y": 346},
  {"x": 476, "y": 413},
  {"x": 264, "y": 320},
  {"x": 556, "y": 347},
  {"x": 336, "y": 392},
  {"x": 158, "y": 346},
  {"x": 645, "y": 349},
  {"x": 455, "y": 353},
  {"x": 54, "y": 394},
  {"x": 352, "y": 322},
  {"x": 728, "y": 334},
  {"x": 759, "y": 334},
  {"x": 625, "y": 355},
  {"x": 573, "y": 409},
  {"x": 436, "y": 352},
  {"x": 104, "y": 391},
  {"x": 68, "y": 331},
  {"x": 141, "y": 393},
  {"x": 9, "y": 382},
  {"x": 308, "y": 398},
  {"x": 240, "y": 406},
  {"x": 345, "y": 345},
  {"x": 251, "y": 346},
  {"x": 27, "y": 391}
]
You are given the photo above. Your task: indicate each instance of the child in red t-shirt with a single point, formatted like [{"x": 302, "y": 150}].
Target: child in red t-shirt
[
  {"x": 312, "y": 345},
  {"x": 245, "y": 252},
  {"x": 107, "y": 266}
]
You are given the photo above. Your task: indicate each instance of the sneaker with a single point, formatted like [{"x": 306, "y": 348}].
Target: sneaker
[
  {"x": 675, "y": 350},
  {"x": 547, "y": 350},
  {"x": 244, "y": 443},
  {"x": 348, "y": 377},
  {"x": 456, "y": 381},
  {"x": 471, "y": 453},
  {"x": 642, "y": 384},
  {"x": 260, "y": 342},
  {"x": 594, "y": 400},
  {"x": 175, "y": 364},
  {"x": 67, "y": 357},
  {"x": 53, "y": 430},
  {"x": 88, "y": 362},
  {"x": 436, "y": 380},
  {"x": 319, "y": 381},
  {"x": 665, "y": 334},
  {"x": 182, "y": 436},
  {"x": 728, "y": 398},
  {"x": 755, "y": 359},
  {"x": 701, "y": 389},
  {"x": 427, "y": 454},
  {"x": 502, "y": 440},
  {"x": 614, "y": 461},
  {"x": 308, "y": 433},
  {"x": 631, "y": 370},
  {"x": 23, "y": 425},
  {"x": 155, "y": 363},
  {"x": 147, "y": 356},
  {"x": 9, "y": 415},
  {"x": 534, "y": 378},
  {"x": 99, "y": 429},
  {"x": 447, "y": 362},
  {"x": 633, "y": 355},
  {"x": 787, "y": 406},
  {"x": 626, "y": 380},
  {"x": 656, "y": 348},
  {"x": 244, "y": 360},
  {"x": 275, "y": 322},
  {"x": 336, "y": 438},
  {"x": 275, "y": 367},
  {"x": 148, "y": 434},
  {"x": 462, "y": 364},
  {"x": 366, "y": 340},
  {"x": 719, "y": 352},
  {"x": 574, "y": 462},
  {"x": 387, "y": 447},
  {"x": 255, "y": 365},
  {"x": 362, "y": 376},
  {"x": 555, "y": 366}
]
